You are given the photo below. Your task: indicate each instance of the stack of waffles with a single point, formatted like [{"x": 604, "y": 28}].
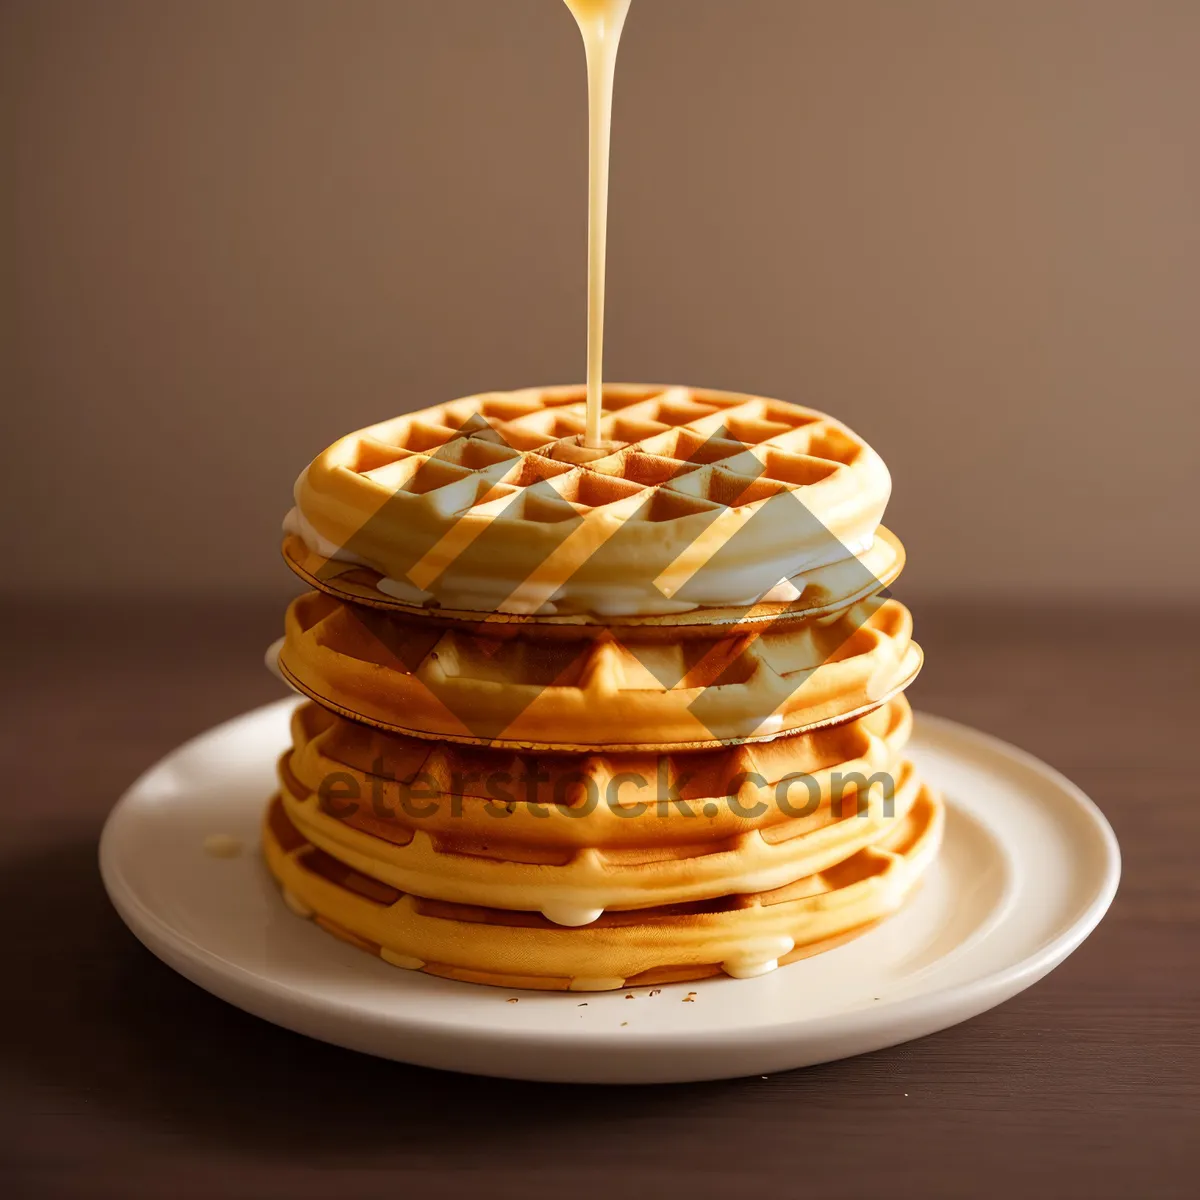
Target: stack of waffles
[{"x": 585, "y": 718}]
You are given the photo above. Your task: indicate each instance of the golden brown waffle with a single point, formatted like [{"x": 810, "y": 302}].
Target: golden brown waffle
[
  {"x": 823, "y": 591},
  {"x": 740, "y": 935},
  {"x": 600, "y": 833},
  {"x": 375, "y": 768},
  {"x": 491, "y": 503},
  {"x": 584, "y": 687}
]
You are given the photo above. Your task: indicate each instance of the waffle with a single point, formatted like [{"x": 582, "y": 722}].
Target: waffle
[
  {"x": 820, "y": 592},
  {"x": 585, "y": 687},
  {"x": 374, "y": 766},
  {"x": 606, "y": 833},
  {"x": 741, "y": 935},
  {"x": 491, "y": 503}
]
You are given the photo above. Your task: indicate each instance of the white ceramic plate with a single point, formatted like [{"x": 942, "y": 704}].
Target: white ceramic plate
[{"x": 1028, "y": 868}]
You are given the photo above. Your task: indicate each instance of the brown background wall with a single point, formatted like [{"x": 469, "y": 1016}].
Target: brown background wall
[{"x": 237, "y": 228}]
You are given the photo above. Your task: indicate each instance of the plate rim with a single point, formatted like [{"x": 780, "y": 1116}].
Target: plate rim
[{"x": 874, "y": 1025}]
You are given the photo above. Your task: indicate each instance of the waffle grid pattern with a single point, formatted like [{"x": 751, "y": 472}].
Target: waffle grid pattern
[
  {"x": 686, "y": 452},
  {"x": 414, "y": 677},
  {"x": 325, "y": 745}
]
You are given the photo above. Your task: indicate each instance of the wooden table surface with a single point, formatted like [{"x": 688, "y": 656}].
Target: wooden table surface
[{"x": 121, "y": 1079}]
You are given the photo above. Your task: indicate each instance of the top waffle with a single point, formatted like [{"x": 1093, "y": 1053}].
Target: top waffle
[
  {"x": 697, "y": 499},
  {"x": 821, "y": 592}
]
